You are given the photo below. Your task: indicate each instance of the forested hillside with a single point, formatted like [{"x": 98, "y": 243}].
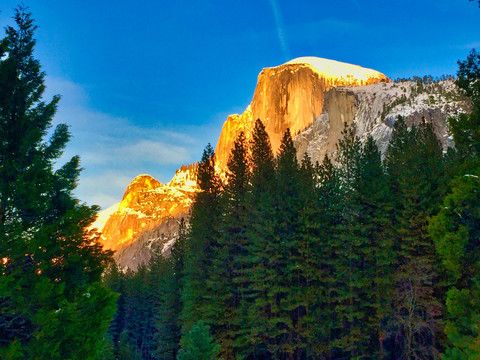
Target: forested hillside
[{"x": 359, "y": 257}]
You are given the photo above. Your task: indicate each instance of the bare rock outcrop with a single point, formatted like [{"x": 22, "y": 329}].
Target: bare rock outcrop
[
  {"x": 148, "y": 216},
  {"x": 373, "y": 110}
]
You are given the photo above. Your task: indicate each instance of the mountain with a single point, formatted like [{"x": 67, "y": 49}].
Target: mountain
[
  {"x": 313, "y": 97},
  {"x": 291, "y": 96},
  {"x": 148, "y": 216}
]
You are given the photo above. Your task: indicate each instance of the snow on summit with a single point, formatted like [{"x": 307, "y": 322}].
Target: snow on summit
[{"x": 333, "y": 68}]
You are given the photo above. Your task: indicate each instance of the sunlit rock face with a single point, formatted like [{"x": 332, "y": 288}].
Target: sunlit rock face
[
  {"x": 291, "y": 96},
  {"x": 148, "y": 216}
]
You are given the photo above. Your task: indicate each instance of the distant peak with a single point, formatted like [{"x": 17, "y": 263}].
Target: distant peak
[
  {"x": 140, "y": 183},
  {"x": 144, "y": 178}
]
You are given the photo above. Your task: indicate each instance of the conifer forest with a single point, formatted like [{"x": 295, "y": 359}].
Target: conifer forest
[{"x": 362, "y": 256}]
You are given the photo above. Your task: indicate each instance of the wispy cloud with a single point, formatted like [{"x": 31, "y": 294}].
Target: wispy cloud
[
  {"x": 472, "y": 45},
  {"x": 357, "y": 4},
  {"x": 322, "y": 29},
  {"x": 154, "y": 152},
  {"x": 280, "y": 29}
]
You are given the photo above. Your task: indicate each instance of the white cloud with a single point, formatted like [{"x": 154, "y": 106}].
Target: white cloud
[
  {"x": 103, "y": 189},
  {"x": 154, "y": 152},
  {"x": 113, "y": 150},
  {"x": 471, "y": 45}
]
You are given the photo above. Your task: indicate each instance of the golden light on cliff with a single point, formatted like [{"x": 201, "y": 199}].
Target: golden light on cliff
[
  {"x": 349, "y": 73},
  {"x": 291, "y": 96}
]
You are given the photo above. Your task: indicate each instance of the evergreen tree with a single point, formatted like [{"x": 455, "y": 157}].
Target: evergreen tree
[
  {"x": 261, "y": 202},
  {"x": 142, "y": 305},
  {"x": 199, "y": 344},
  {"x": 168, "y": 320},
  {"x": 231, "y": 260},
  {"x": 353, "y": 254},
  {"x": 325, "y": 218},
  {"x": 286, "y": 264},
  {"x": 465, "y": 128},
  {"x": 455, "y": 228},
  {"x": 311, "y": 257},
  {"x": 375, "y": 247},
  {"x": 165, "y": 291},
  {"x": 416, "y": 176},
  {"x": 198, "y": 296},
  {"x": 52, "y": 305},
  {"x": 115, "y": 280}
]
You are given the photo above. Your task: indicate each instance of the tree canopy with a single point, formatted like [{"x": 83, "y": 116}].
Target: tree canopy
[{"x": 52, "y": 303}]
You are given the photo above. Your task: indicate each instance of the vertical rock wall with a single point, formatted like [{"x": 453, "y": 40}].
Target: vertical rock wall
[{"x": 288, "y": 96}]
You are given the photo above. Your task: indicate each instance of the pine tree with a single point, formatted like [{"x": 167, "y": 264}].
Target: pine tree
[
  {"x": 198, "y": 296},
  {"x": 168, "y": 321},
  {"x": 52, "y": 305},
  {"x": 115, "y": 280},
  {"x": 311, "y": 257},
  {"x": 286, "y": 265},
  {"x": 261, "y": 202},
  {"x": 353, "y": 252},
  {"x": 455, "y": 228},
  {"x": 141, "y": 310},
  {"x": 373, "y": 226},
  {"x": 325, "y": 218},
  {"x": 165, "y": 291},
  {"x": 416, "y": 176},
  {"x": 231, "y": 260},
  {"x": 199, "y": 344}
]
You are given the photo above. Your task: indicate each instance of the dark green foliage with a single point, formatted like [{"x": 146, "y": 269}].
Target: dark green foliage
[
  {"x": 115, "y": 280},
  {"x": 231, "y": 262},
  {"x": 416, "y": 173},
  {"x": 52, "y": 305},
  {"x": 455, "y": 228},
  {"x": 199, "y": 344},
  {"x": 168, "y": 324},
  {"x": 468, "y": 74},
  {"x": 197, "y": 296},
  {"x": 362, "y": 259},
  {"x": 261, "y": 233},
  {"x": 465, "y": 128},
  {"x": 166, "y": 290}
]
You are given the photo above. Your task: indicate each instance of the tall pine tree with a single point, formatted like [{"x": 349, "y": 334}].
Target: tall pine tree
[
  {"x": 232, "y": 258},
  {"x": 52, "y": 305},
  {"x": 261, "y": 201},
  {"x": 455, "y": 228},
  {"x": 199, "y": 296},
  {"x": 416, "y": 176}
]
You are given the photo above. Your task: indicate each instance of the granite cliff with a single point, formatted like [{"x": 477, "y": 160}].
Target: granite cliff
[
  {"x": 314, "y": 98},
  {"x": 148, "y": 216},
  {"x": 291, "y": 96}
]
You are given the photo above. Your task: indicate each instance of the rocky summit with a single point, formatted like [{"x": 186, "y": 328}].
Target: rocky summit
[
  {"x": 314, "y": 98},
  {"x": 291, "y": 96}
]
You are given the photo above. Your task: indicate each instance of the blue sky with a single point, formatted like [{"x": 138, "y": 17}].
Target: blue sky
[{"x": 147, "y": 84}]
